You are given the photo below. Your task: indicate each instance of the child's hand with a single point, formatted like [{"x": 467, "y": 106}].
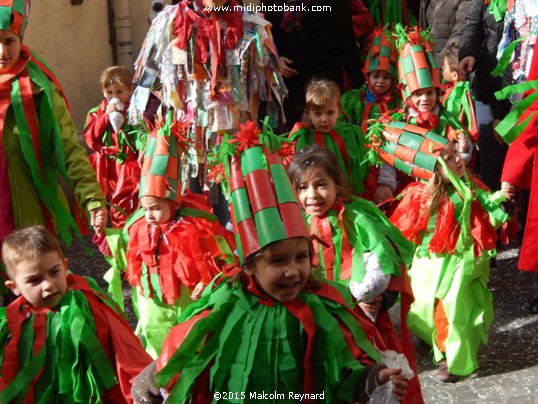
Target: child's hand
[
  {"x": 197, "y": 292},
  {"x": 381, "y": 194},
  {"x": 373, "y": 307},
  {"x": 399, "y": 381},
  {"x": 508, "y": 190},
  {"x": 463, "y": 144},
  {"x": 111, "y": 108},
  {"x": 98, "y": 219},
  {"x": 283, "y": 66}
]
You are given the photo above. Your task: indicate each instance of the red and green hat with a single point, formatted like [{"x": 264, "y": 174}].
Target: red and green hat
[
  {"x": 382, "y": 53},
  {"x": 416, "y": 62},
  {"x": 409, "y": 148},
  {"x": 263, "y": 202},
  {"x": 161, "y": 169},
  {"x": 14, "y": 16}
]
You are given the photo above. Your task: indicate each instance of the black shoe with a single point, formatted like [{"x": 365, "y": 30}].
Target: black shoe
[{"x": 533, "y": 306}]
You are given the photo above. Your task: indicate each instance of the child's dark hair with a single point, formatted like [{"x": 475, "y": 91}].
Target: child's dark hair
[
  {"x": 116, "y": 75},
  {"x": 452, "y": 57},
  {"x": 28, "y": 244},
  {"x": 320, "y": 91},
  {"x": 314, "y": 156}
]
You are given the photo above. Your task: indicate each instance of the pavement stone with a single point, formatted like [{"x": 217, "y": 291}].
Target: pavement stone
[{"x": 508, "y": 370}]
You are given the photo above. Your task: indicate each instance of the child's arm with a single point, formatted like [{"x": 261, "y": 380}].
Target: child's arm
[
  {"x": 386, "y": 184},
  {"x": 97, "y": 122}
]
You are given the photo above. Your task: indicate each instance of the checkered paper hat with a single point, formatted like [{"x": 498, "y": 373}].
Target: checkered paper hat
[
  {"x": 14, "y": 16},
  {"x": 409, "y": 148},
  {"x": 416, "y": 62},
  {"x": 263, "y": 202},
  {"x": 382, "y": 54},
  {"x": 161, "y": 169}
]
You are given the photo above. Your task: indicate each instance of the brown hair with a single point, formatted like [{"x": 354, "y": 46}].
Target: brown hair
[
  {"x": 314, "y": 156},
  {"x": 314, "y": 278},
  {"x": 27, "y": 244},
  {"x": 452, "y": 57},
  {"x": 320, "y": 91},
  {"x": 116, "y": 75}
]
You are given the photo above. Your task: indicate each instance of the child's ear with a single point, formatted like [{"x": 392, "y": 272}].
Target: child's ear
[
  {"x": 66, "y": 266},
  {"x": 11, "y": 286}
]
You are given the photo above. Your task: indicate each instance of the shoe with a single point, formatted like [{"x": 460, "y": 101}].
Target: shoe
[
  {"x": 444, "y": 375},
  {"x": 533, "y": 306}
]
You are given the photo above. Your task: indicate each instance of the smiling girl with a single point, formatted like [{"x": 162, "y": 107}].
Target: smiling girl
[{"x": 269, "y": 325}]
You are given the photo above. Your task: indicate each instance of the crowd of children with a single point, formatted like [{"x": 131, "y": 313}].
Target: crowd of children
[{"x": 366, "y": 212}]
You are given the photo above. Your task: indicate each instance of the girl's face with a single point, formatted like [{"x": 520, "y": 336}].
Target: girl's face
[
  {"x": 324, "y": 118},
  {"x": 10, "y": 50},
  {"x": 454, "y": 162},
  {"x": 156, "y": 210},
  {"x": 380, "y": 81},
  {"x": 118, "y": 91},
  {"x": 317, "y": 191},
  {"x": 283, "y": 268},
  {"x": 424, "y": 99}
]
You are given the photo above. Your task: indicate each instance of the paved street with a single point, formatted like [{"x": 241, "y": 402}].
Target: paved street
[{"x": 508, "y": 364}]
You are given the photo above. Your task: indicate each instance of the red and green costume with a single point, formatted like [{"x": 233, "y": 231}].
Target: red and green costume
[
  {"x": 82, "y": 351},
  {"x": 351, "y": 228},
  {"x": 346, "y": 142},
  {"x": 114, "y": 161},
  {"x": 238, "y": 339},
  {"x": 458, "y": 101},
  {"x": 453, "y": 306}
]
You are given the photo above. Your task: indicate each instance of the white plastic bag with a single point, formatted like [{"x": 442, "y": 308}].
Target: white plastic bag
[
  {"x": 393, "y": 360},
  {"x": 116, "y": 118}
]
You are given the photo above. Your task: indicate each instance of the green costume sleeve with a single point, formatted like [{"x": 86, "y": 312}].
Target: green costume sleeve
[
  {"x": 80, "y": 173},
  {"x": 369, "y": 230}
]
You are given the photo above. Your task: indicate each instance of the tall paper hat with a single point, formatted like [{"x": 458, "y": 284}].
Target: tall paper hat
[
  {"x": 382, "y": 54},
  {"x": 409, "y": 148},
  {"x": 161, "y": 169},
  {"x": 416, "y": 61},
  {"x": 14, "y": 16},
  {"x": 263, "y": 202}
]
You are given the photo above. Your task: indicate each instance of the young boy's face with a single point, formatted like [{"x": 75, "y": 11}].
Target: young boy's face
[
  {"x": 449, "y": 75},
  {"x": 156, "y": 210},
  {"x": 283, "y": 268},
  {"x": 324, "y": 118},
  {"x": 118, "y": 91},
  {"x": 380, "y": 81},
  {"x": 10, "y": 50},
  {"x": 42, "y": 281},
  {"x": 424, "y": 99}
]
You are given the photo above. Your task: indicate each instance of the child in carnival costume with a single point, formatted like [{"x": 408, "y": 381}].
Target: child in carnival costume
[
  {"x": 356, "y": 245},
  {"x": 378, "y": 97},
  {"x": 452, "y": 218},
  {"x": 457, "y": 97},
  {"x": 175, "y": 244},
  {"x": 420, "y": 82},
  {"x": 63, "y": 339},
  {"x": 39, "y": 141},
  {"x": 114, "y": 144},
  {"x": 269, "y": 325},
  {"x": 322, "y": 107},
  {"x": 216, "y": 67}
]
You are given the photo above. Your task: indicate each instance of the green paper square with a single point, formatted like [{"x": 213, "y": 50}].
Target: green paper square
[
  {"x": 269, "y": 226},
  {"x": 241, "y": 205}
]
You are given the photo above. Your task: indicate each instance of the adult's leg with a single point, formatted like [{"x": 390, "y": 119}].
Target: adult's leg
[{"x": 492, "y": 154}]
